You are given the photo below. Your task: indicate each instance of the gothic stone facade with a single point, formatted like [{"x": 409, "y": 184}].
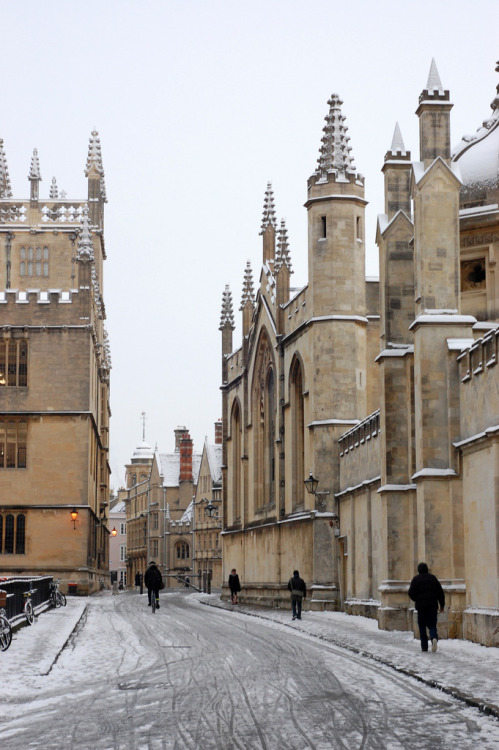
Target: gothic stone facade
[
  {"x": 402, "y": 435},
  {"x": 54, "y": 380}
]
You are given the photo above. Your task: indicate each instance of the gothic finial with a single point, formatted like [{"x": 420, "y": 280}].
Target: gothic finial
[
  {"x": 34, "y": 171},
  {"x": 227, "y": 317},
  {"x": 334, "y": 153},
  {"x": 397, "y": 141},
  {"x": 268, "y": 209},
  {"x": 282, "y": 256},
  {"x": 434, "y": 82},
  {"x": 85, "y": 252},
  {"x": 94, "y": 161},
  {"x": 248, "y": 296},
  {"x": 5, "y": 187},
  {"x": 54, "y": 192}
]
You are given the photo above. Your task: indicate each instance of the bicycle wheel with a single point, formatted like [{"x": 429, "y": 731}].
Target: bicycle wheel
[
  {"x": 60, "y": 599},
  {"x": 5, "y": 633},
  {"x": 153, "y": 605},
  {"x": 28, "y": 612}
]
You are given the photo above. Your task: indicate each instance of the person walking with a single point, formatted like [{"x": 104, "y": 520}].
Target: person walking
[
  {"x": 234, "y": 586},
  {"x": 427, "y": 593},
  {"x": 296, "y": 586},
  {"x": 154, "y": 582}
]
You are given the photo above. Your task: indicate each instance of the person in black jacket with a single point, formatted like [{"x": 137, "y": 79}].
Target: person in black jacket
[
  {"x": 298, "y": 592},
  {"x": 154, "y": 582},
  {"x": 425, "y": 590},
  {"x": 234, "y": 586}
]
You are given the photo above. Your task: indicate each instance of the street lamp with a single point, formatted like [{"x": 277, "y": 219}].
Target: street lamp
[
  {"x": 210, "y": 508},
  {"x": 114, "y": 532},
  {"x": 74, "y": 516},
  {"x": 311, "y": 484}
]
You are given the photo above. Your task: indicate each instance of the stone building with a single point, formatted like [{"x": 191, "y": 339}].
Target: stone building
[
  {"x": 207, "y": 513},
  {"x": 159, "y": 489},
  {"x": 389, "y": 395},
  {"x": 54, "y": 380},
  {"x": 117, "y": 541}
]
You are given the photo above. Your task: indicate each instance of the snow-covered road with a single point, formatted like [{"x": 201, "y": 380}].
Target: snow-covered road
[{"x": 199, "y": 677}]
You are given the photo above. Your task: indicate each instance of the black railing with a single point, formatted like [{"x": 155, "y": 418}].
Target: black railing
[{"x": 16, "y": 588}]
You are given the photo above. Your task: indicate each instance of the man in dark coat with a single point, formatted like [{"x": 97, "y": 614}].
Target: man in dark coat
[
  {"x": 234, "y": 586},
  {"x": 154, "y": 582},
  {"x": 425, "y": 590},
  {"x": 298, "y": 592}
]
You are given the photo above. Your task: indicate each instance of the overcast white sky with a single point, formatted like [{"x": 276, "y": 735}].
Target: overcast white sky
[{"x": 198, "y": 104}]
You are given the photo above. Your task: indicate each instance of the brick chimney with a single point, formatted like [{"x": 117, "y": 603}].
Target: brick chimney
[
  {"x": 218, "y": 432},
  {"x": 185, "y": 458}
]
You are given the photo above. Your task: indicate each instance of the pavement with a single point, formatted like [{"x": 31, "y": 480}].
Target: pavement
[{"x": 467, "y": 671}]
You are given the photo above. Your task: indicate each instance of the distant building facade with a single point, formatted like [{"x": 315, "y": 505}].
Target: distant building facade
[
  {"x": 54, "y": 380},
  {"x": 117, "y": 542},
  {"x": 158, "y": 495},
  {"x": 402, "y": 434},
  {"x": 207, "y": 513}
]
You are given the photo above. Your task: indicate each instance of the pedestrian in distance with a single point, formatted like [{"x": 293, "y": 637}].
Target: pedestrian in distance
[
  {"x": 234, "y": 586},
  {"x": 427, "y": 593},
  {"x": 296, "y": 586},
  {"x": 154, "y": 582}
]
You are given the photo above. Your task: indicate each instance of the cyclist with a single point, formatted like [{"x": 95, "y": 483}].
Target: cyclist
[{"x": 154, "y": 582}]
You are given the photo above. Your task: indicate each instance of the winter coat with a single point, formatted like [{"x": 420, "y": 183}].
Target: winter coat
[
  {"x": 234, "y": 584},
  {"x": 297, "y": 584},
  {"x": 426, "y": 591},
  {"x": 153, "y": 578}
]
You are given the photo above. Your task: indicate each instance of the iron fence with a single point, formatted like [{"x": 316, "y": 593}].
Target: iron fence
[{"x": 39, "y": 586}]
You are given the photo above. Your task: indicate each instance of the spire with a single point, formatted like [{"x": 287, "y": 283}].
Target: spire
[
  {"x": 282, "y": 256},
  {"x": 34, "y": 171},
  {"x": 397, "y": 141},
  {"x": 5, "y": 187},
  {"x": 334, "y": 153},
  {"x": 94, "y": 162},
  {"x": 434, "y": 82},
  {"x": 248, "y": 296},
  {"x": 227, "y": 317},
  {"x": 85, "y": 252},
  {"x": 54, "y": 192},
  {"x": 268, "y": 209}
]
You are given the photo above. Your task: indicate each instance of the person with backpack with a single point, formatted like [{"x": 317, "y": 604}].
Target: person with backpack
[{"x": 427, "y": 593}]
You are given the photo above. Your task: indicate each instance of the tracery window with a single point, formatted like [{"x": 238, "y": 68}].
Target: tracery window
[
  {"x": 34, "y": 261},
  {"x": 297, "y": 432},
  {"x": 12, "y": 533},
  {"x": 13, "y": 439},
  {"x": 264, "y": 421},
  {"x": 235, "y": 448},
  {"x": 14, "y": 362},
  {"x": 182, "y": 551}
]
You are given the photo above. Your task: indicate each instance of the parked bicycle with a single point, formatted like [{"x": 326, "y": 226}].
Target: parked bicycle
[
  {"x": 28, "y": 608},
  {"x": 5, "y": 631},
  {"x": 56, "y": 599}
]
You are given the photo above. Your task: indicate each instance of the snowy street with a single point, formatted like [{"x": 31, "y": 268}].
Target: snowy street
[{"x": 105, "y": 673}]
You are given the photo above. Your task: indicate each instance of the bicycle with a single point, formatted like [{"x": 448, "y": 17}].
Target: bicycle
[
  {"x": 28, "y": 608},
  {"x": 56, "y": 599},
  {"x": 5, "y": 630}
]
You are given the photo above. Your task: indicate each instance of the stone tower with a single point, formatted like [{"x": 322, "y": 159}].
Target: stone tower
[{"x": 54, "y": 379}]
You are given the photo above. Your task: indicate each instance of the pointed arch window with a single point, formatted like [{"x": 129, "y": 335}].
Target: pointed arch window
[
  {"x": 297, "y": 433},
  {"x": 236, "y": 454},
  {"x": 264, "y": 421},
  {"x": 182, "y": 551}
]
